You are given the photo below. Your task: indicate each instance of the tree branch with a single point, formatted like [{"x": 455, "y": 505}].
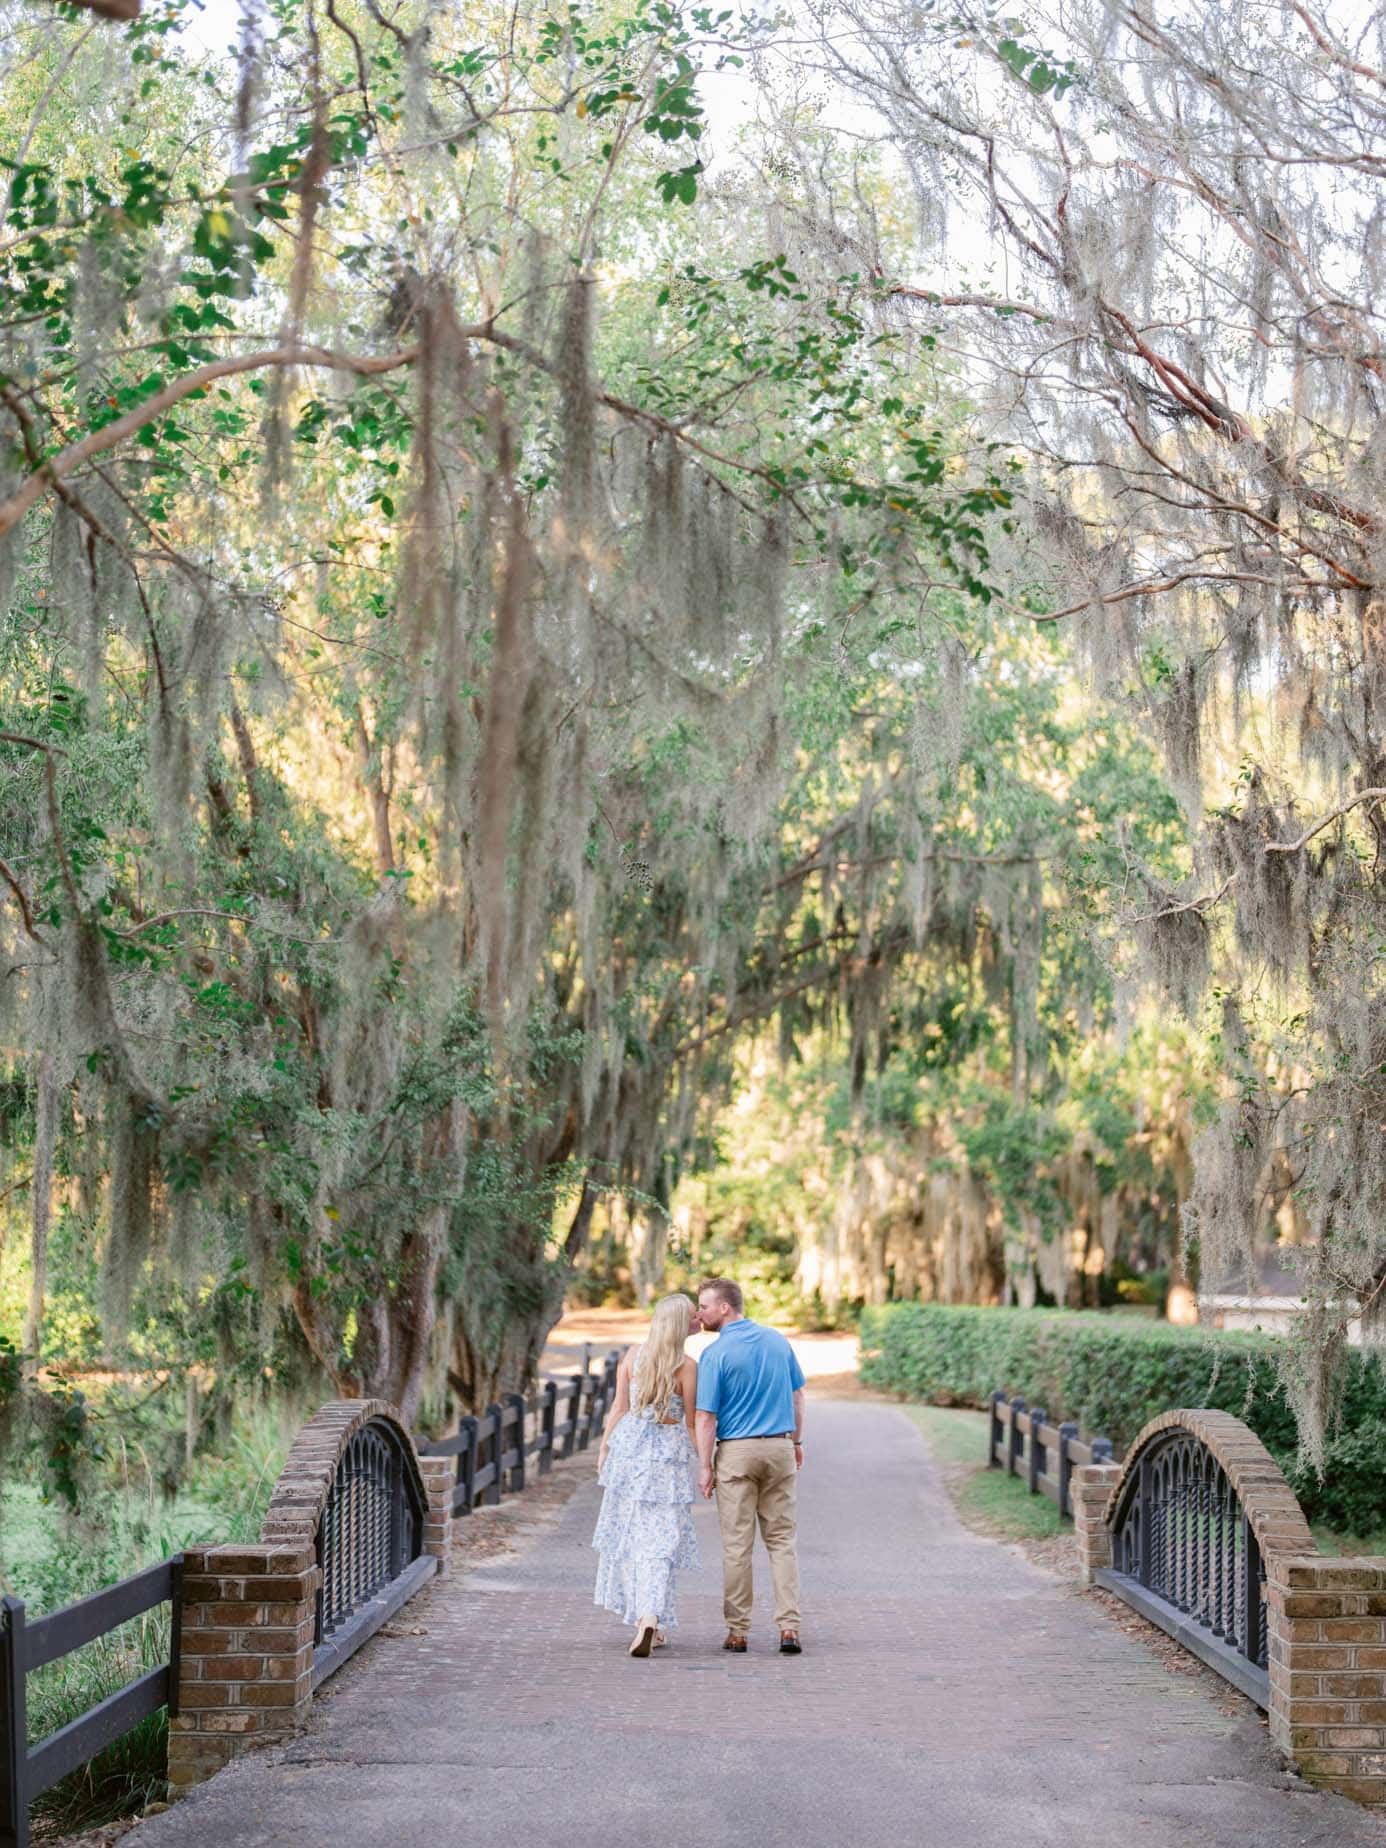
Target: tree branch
[
  {"x": 11, "y": 879},
  {"x": 1343, "y": 808}
]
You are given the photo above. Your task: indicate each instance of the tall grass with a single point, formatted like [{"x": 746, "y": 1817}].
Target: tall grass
[{"x": 49, "y": 1557}]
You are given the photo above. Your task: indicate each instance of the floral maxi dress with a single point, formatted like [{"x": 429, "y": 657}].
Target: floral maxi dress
[{"x": 644, "y": 1532}]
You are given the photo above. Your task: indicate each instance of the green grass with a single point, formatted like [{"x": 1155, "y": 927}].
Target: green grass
[
  {"x": 986, "y": 1498},
  {"x": 52, "y": 1557},
  {"x": 1335, "y": 1544}
]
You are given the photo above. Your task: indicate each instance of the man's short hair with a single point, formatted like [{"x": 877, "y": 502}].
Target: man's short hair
[{"x": 725, "y": 1291}]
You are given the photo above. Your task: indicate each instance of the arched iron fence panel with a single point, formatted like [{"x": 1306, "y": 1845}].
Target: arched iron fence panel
[
  {"x": 1184, "y": 1554},
  {"x": 369, "y": 1542}
]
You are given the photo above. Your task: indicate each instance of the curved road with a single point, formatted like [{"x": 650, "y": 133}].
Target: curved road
[{"x": 949, "y": 1693}]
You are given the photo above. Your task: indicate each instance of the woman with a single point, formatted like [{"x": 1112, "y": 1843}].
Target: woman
[{"x": 648, "y": 1468}]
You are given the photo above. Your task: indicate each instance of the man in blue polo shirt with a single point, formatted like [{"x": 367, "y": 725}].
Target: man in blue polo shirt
[{"x": 750, "y": 1429}]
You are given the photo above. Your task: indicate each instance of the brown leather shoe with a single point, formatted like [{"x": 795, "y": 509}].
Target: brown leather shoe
[
  {"x": 789, "y": 1643},
  {"x": 736, "y": 1644}
]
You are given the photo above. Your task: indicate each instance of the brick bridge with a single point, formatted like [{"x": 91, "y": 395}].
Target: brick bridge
[{"x": 950, "y": 1691}]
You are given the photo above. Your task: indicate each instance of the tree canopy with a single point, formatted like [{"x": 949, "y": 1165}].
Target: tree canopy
[{"x": 541, "y": 559}]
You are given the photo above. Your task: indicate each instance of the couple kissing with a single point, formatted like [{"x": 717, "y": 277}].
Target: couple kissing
[{"x": 730, "y": 1428}]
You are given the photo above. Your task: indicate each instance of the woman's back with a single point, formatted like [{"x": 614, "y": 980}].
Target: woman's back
[
  {"x": 647, "y": 1470},
  {"x": 676, "y": 1412}
]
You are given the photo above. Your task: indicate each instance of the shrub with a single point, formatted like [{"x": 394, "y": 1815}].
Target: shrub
[{"x": 1111, "y": 1374}]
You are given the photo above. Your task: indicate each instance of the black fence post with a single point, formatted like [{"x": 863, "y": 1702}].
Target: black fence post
[
  {"x": 175, "y": 1634},
  {"x": 995, "y": 1427},
  {"x": 1016, "y": 1448},
  {"x": 495, "y": 1418},
  {"x": 587, "y": 1389},
  {"x": 466, "y": 1466},
  {"x": 14, "y": 1729},
  {"x": 548, "y": 1406},
  {"x": 1037, "y": 1418},
  {"x": 602, "y": 1397},
  {"x": 572, "y": 1392},
  {"x": 1067, "y": 1434},
  {"x": 1102, "y": 1450},
  {"x": 516, "y": 1402}
]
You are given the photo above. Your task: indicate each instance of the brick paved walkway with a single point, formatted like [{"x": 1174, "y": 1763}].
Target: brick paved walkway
[{"x": 950, "y": 1693}]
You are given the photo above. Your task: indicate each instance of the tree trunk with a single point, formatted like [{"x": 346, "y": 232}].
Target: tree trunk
[
  {"x": 497, "y": 1343},
  {"x": 511, "y": 1295},
  {"x": 48, "y": 1110}
]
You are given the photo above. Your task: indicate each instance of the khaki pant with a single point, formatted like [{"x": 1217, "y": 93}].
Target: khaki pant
[{"x": 757, "y": 1481}]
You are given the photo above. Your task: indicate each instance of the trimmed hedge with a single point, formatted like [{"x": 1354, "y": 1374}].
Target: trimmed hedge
[{"x": 1110, "y": 1374}]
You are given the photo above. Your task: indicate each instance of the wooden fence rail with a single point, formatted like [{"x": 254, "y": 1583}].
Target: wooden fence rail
[
  {"x": 493, "y": 1450},
  {"x": 1022, "y": 1441},
  {"x": 25, "y": 1645}
]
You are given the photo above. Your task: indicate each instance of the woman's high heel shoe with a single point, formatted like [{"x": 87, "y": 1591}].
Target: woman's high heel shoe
[{"x": 645, "y": 1632}]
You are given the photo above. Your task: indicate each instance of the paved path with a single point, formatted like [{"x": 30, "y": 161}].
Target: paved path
[{"x": 950, "y": 1694}]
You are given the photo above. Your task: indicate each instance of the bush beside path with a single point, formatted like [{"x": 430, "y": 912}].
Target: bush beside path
[{"x": 1112, "y": 1374}]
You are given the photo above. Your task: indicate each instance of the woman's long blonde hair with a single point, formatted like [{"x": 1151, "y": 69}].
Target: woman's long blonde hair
[{"x": 655, "y": 1377}]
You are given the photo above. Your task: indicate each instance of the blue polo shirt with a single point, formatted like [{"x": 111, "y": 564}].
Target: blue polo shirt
[{"x": 748, "y": 1377}]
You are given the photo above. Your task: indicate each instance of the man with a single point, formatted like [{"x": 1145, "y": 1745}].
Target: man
[{"x": 750, "y": 1419}]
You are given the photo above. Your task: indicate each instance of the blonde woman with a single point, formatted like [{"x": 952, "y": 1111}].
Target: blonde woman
[{"x": 648, "y": 1468}]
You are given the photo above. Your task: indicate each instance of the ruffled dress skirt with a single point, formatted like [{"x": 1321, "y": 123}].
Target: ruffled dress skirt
[{"x": 644, "y": 1532}]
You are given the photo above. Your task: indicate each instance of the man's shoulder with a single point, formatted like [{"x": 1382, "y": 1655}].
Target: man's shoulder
[{"x": 774, "y": 1339}]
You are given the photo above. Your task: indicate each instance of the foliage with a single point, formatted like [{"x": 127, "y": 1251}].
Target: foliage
[
  {"x": 54, "y": 1554},
  {"x": 514, "y": 602},
  {"x": 1187, "y": 209},
  {"x": 1111, "y": 1374},
  {"x": 356, "y": 879}
]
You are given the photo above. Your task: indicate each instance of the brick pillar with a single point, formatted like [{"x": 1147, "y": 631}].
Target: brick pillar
[
  {"x": 1090, "y": 1492},
  {"x": 245, "y": 1654},
  {"x": 439, "y": 1480},
  {"x": 1328, "y": 1669}
]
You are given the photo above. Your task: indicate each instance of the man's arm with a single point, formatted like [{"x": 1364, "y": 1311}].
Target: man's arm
[
  {"x": 707, "y": 1441},
  {"x": 798, "y": 1427},
  {"x": 709, "y": 1399}
]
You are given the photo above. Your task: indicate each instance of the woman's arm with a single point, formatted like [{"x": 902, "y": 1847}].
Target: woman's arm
[
  {"x": 618, "y": 1407},
  {"x": 688, "y": 1386}
]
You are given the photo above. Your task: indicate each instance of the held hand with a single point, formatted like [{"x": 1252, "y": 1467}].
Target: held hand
[
  {"x": 798, "y": 1455},
  {"x": 705, "y": 1484},
  {"x": 601, "y": 1459}
]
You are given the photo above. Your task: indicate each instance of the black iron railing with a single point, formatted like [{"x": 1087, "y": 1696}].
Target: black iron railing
[
  {"x": 27, "y": 1644},
  {"x": 1022, "y": 1441},
  {"x": 1185, "y": 1556},
  {"x": 369, "y": 1544},
  {"x": 371, "y": 1525}
]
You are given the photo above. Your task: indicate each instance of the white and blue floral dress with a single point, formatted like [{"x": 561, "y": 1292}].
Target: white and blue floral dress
[{"x": 644, "y": 1531}]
